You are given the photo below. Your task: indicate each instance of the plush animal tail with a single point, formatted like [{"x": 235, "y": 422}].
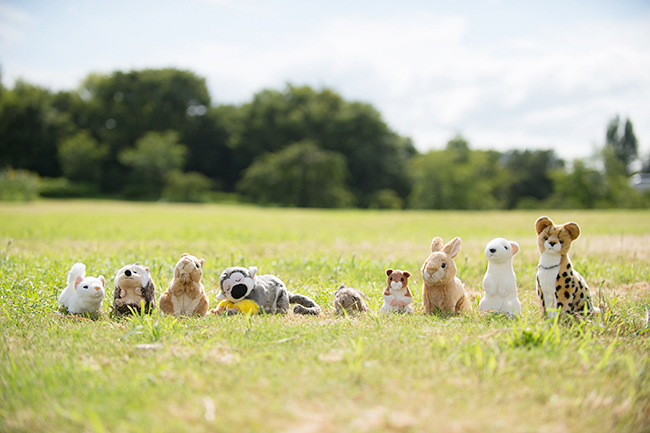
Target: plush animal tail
[
  {"x": 78, "y": 269},
  {"x": 304, "y": 305}
]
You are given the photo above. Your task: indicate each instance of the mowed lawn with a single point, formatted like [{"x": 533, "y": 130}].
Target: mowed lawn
[{"x": 370, "y": 373}]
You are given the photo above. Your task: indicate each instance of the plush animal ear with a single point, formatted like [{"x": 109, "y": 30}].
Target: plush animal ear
[
  {"x": 342, "y": 286},
  {"x": 146, "y": 269},
  {"x": 542, "y": 222},
  {"x": 453, "y": 247},
  {"x": 407, "y": 274},
  {"x": 253, "y": 271},
  {"x": 185, "y": 254},
  {"x": 103, "y": 280},
  {"x": 515, "y": 247},
  {"x": 202, "y": 262},
  {"x": 389, "y": 271},
  {"x": 78, "y": 280},
  {"x": 436, "y": 244},
  {"x": 573, "y": 229}
]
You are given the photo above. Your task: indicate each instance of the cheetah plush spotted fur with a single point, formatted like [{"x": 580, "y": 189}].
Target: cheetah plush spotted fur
[{"x": 560, "y": 287}]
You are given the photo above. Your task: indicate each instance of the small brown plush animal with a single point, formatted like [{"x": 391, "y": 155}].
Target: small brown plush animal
[
  {"x": 559, "y": 286},
  {"x": 397, "y": 295},
  {"x": 133, "y": 286},
  {"x": 442, "y": 290},
  {"x": 185, "y": 294},
  {"x": 349, "y": 301}
]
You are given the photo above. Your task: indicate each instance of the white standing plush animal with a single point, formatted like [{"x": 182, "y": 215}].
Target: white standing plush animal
[
  {"x": 500, "y": 283},
  {"x": 82, "y": 294}
]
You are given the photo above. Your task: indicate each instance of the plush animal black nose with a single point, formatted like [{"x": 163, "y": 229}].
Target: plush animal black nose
[
  {"x": 239, "y": 291},
  {"x": 493, "y": 250},
  {"x": 552, "y": 243},
  {"x": 127, "y": 273}
]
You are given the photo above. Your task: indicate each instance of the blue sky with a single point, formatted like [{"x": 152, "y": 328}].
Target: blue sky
[{"x": 505, "y": 74}]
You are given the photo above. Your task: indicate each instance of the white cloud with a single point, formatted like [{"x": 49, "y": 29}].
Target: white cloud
[
  {"x": 13, "y": 24},
  {"x": 430, "y": 75}
]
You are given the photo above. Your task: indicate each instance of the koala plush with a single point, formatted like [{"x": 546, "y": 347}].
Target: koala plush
[
  {"x": 133, "y": 285},
  {"x": 268, "y": 292}
]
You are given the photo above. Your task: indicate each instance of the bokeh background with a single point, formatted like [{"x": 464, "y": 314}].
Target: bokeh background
[{"x": 340, "y": 103}]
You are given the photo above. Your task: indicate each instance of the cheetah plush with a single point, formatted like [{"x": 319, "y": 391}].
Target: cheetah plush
[{"x": 560, "y": 287}]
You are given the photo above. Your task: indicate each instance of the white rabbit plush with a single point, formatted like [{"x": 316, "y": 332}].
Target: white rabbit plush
[
  {"x": 82, "y": 294},
  {"x": 500, "y": 283}
]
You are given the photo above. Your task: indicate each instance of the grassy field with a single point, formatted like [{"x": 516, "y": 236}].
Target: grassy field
[{"x": 316, "y": 374}]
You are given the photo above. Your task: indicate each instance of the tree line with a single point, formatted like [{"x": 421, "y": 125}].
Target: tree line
[{"x": 155, "y": 134}]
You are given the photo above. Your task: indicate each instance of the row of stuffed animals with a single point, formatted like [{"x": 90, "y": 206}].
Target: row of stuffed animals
[{"x": 241, "y": 291}]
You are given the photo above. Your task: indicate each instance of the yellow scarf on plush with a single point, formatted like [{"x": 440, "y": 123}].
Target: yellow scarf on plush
[{"x": 245, "y": 306}]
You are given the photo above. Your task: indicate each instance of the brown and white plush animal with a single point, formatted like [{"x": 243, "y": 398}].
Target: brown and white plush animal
[
  {"x": 349, "y": 301},
  {"x": 133, "y": 286},
  {"x": 559, "y": 286},
  {"x": 442, "y": 290},
  {"x": 397, "y": 295},
  {"x": 185, "y": 294}
]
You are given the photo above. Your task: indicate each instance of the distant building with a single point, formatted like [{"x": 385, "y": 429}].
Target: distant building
[{"x": 640, "y": 182}]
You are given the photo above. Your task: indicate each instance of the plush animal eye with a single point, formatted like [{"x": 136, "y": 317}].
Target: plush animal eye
[
  {"x": 505, "y": 248},
  {"x": 402, "y": 279},
  {"x": 391, "y": 278},
  {"x": 197, "y": 265},
  {"x": 85, "y": 287},
  {"x": 444, "y": 265},
  {"x": 546, "y": 238}
]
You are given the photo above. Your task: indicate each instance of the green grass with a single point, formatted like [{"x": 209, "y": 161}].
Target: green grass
[{"x": 318, "y": 374}]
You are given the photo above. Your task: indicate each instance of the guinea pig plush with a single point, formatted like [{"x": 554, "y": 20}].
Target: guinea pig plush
[
  {"x": 82, "y": 294},
  {"x": 268, "y": 294},
  {"x": 442, "y": 290},
  {"x": 134, "y": 290},
  {"x": 500, "y": 283},
  {"x": 185, "y": 294},
  {"x": 349, "y": 301},
  {"x": 397, "y": 295}
]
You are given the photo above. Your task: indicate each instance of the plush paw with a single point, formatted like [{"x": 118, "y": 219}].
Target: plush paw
[
  {"x": 232, "y": 311},
  {"x": 394, "y": 303},
  {"x": 138, "y": 291},
  {"x": 402, "y": 304}
]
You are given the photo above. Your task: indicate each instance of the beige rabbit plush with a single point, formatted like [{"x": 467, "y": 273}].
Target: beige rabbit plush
[{"x": 442, "y": 290}]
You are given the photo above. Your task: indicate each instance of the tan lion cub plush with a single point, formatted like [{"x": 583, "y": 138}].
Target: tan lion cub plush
[
  {"x": 442, "y": 290},
  {"x": 559, "y": 286},
  {"x": 185, "y": 294}
]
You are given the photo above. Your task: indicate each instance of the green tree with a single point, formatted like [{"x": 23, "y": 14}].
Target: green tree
[
  {"x": 82, "y": 158},
  {"x": 624, "y": 146},
  {"x": 530, "y": 175},
  {"x": 192, "y": 186},
  {"x": 582, "y": 187},
  {"x": 377, "y": 158},
  {"x": 456, "y": 178},
  {"x": 301, "y": 175},
  {"x": 154, "y": 156},
  {"x": 30, "y": 128},
  {"x": 121, "y": 107}
]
